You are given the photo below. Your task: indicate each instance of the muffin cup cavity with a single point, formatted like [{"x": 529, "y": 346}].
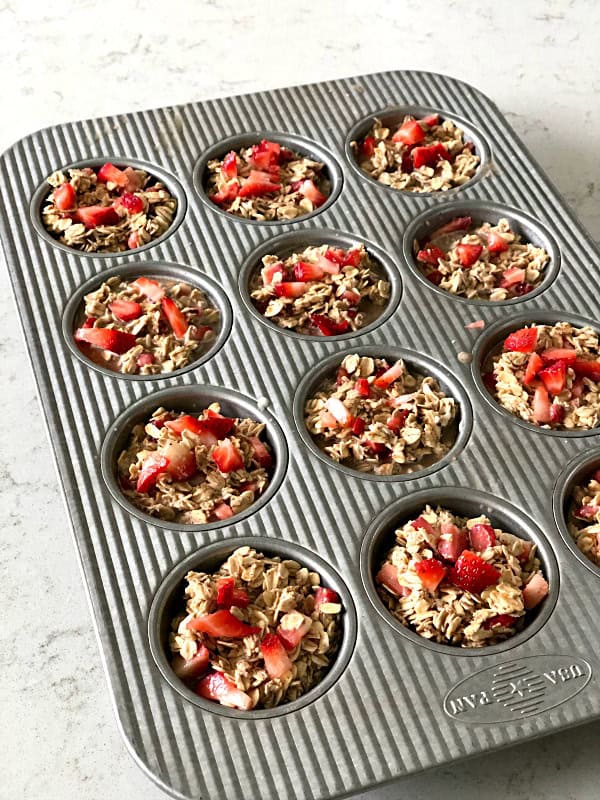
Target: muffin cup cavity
[
  {"x": 299, "y": 144},
  {"x": 170, "y": 181},
  {"x": 522, "y": 223},
  {"x": 286, "y": 244},
  {"x": 192, "y": 399},
  {"x": 160, "y": 271},
  {"x": 417, "y": 363},
  {"x": 467, "y": 502},
  {"x": 169, "y": 601},
  {"x": 392, "y": 117}
]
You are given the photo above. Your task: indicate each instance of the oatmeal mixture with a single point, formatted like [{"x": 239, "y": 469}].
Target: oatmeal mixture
[
  {"x": 584, "y": 518},
  {"x": 259, "y": 632},
  {"x": 460, "y": 581},
  {"x": 321, "y": 291},
  {"x": 144, "y": 327},
  {"x": 267, "y": 182},
  {"x": 425, "y": 155},
  {"x": 107, "y": 210},
  {"x": 482, "y": 262},
  {"x": 549, "y": 375},
  {"x": 380, "y": 418},
  {"x": 194, "y": 469}
]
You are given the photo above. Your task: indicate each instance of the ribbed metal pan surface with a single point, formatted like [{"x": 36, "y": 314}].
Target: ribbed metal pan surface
[{"x": 399, "y": 706}]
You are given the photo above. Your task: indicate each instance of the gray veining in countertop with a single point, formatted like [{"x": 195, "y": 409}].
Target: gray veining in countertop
[{"x": 79, "y": 58}]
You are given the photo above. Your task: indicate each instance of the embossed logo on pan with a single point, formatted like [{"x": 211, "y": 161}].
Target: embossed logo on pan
[{"x": 517, "y": 689}]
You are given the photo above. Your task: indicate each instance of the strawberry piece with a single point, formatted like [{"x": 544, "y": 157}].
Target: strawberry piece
[
  {"x": 477, "y": 324},
  {"x": 227, "y": 457},
  {"x": 410, "y": 132},
  {"x": 336, "y": 255},
  {"x": 130, "y": 202},
  {"x": 456, "y": 224},
  {"x": 328, "y": 266},
  {"x": 429, "y": 156},
  {"x": 352, "y": 257},
  {"x": 499, "y": 621},
  {"x": 472, "y": 574},
  {"x": 270, "y": 272},
  {"x": 541, "y": 405},
  {"x": 362, "y": 387},
  {"x": 226, "y": 195},
  {"x": 489, "y": 381},
  {"x": 358, "y": 426},
  {"x": 182, "y": 461},
  {"x": 557, "y": 413},
  {"x": 566, "y": 354},
  {"x": 292, "y": 289},
  {"x": 277, "y": 661},
  {"x": 431, "y": 573},
  {"x": 420, "y": 523},
  {"x": 309, "y": 189},
  {"x": 89, "y": 323},
  {"x": 260, "y": 453},
  {"x": 430, "y": 255},
  {"x": 430, "y": 120},
  {"x": 225, "y": 587},
  {"x": 151, "y": 289},
  {"x": 217, "y": 423},
  {"x": 377, "y": 448},
  {"x": 339, "y": 411},
  {"x": 554, "y": 377},
  {"x": 108, "y": 173},
  {"x": 152, "y": 468},
  {"x": 452, "y": 542},
  {"x": 522, "y": 289},
  {"x": 222, "y": 624},
  {"x": 468, "y": 253},
  {"x": 305, "y": 271},
  {"x": 522, "y": 341},
  {"x": 106, "y": 339},
  {"x": 222, "y": 511},
  {"x": 265, "y": 155},
  {"x": 511, "y": 277},
  {"x": 388, "y": 577},
  {"x": 194, "y": 425},
  {"x": 341, "y": 376},
  {"x": 229, "y": 165},
  {"x": 258, "y": 184},
  {"x": 482, "y": 536},
  {"x": 324, "y": 595},
  {"x": 367, "y": 147},
  {"x": 351, "y": 296},
  {"x": 389, "y": 376},
  {"x": 65, "y": 197},
  {"x": 217, "y": 686},
  {"x": 397, "y": 421},
  {"x": 194, "y": 667},
  {"x": 240, "y": 598},
  {"x": 534, "y": 365},
  {"x": 435, "y": 276},
  {"x": 292, "y": 636},
  {"x": 133, "y": 240},
  {"x": 145, "y": 359},
  {"x": 175, "y": 317},
  {"x": 125, "y": 310},
  {"x": 496, "y": 243},
  {"x": 534, "y": 591},
  {"x": 93, "y": 216},
  {"x": 587, "y": 512},
  {"x": 327, "y": 419},
  {"x": 587, "y": 369},
  {"x": 327, "y": 326}
]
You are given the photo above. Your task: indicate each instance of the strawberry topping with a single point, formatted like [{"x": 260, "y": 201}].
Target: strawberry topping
[
  {"x": 430, "y": 255},
  {"x": 65, "y": 197},
  {"x": 94, "y": 216},
  {"x": 114, "y": 341},
  {"x": 154, "y": 466},
  {"x": 468, "y": 254},
  {"x": 219, "y": 687},
  {"x": 522, "y": 341},
  {"x": 222, "y": 624},
  {"x": 151, "y": 289},
  {"x": 482, "y": 536},
  {"x": 175, "y": 317},
  {"x": 277, "y": 661},
  {"x": 431, "y": 573},
  {"x": 227, "y": 457},
  {"x": 409, "y": 133},
  {"x": 472, "y": 574},
  {"x": 125, "y": 310}
]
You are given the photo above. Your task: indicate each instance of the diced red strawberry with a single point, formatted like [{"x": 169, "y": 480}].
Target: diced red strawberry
[
  {"x": 222, "y": 624},
  {"x": 541, "y": 405},
  {"x": 522, "y": 289},
  {"x": 522, "y": 341},
  {"x": 328, "y": 266},
  {"x": 477, "y": 324},
  {"x": 430, "y": 255},
  {"x": 554, "y": 377},
  {"x": 229, "y": 165},
  {"x": 452, "y": 542},
  {"x": 133, "y": 240},
  {"x": 108, "y": 173},
  {"x": 362, "y": 387},
  {"x": 194, "y": 667},
  {"x": 260, "y": 452},
  {"x": 291, "y": 289},
  {"x": 327, "y": 419},
  {"x": 277, "y": 661},
  {"x": 534, "y": 365},
  {"x": 435, "y": 276},
  {"x": 587, "y": 369},
  {"x": 152, "y": 468},
  {"x": 367, "y": 147},
  {"x": 511, "y": 277},
  {"x": 566, "y": 354},
  {"x": 89, "y": 323},
  {"x": 489, "y": 381},
  {"x": 358, "y": 426},
  {"x": 587, "y": 512},
  {"x": 388, "y": 577},
  {"x": 397, "y": 421},
  {"x": 186, "y": 422},
  {"x": 222, "y": 511},
  {"x": 151, "y": 289},
  {"x": 420, "y": 523},
  {"x": 265, "y": 155},
  {"x": 351, "y": 296},
  {"x": 378, "y": 448},
  {"x": 219, "y": 687},
  {"x": 456, "y": 224},
  {"x": 227, "y": 457},
  {"x": 410, "y": 132},
  {"x": 65, "y": 197},
  {"x": 182, "y": 461},
  {"x": 271, "y": 272},
  {"x": 482, "y": 536},
  {"x": 93, "y": 216},
  {"x": 225, "y": 587},
  {"x": 327, "y": 326},
  {"x": 534, "y": 591},
  {"x": 324, "y": 595},
  {"x": 336, "y": 255},
  {"x": 226, "y": 195},
  {"x": 175, "y": 317},
  {"x": 257, "y": 185},
  {"x": 429, "y": 156},
  {"x": 557, "y": 413},
  {"x": 390, "y": 375},
  {"x": 468, "y": 253},
  {"x": 240, "y": 598},
  {"x": 305, "y": 271},
  {"x": 430, "y": 120},
  {"x": 132, "y": 203},
  {"x": 499, "y": 621},
  {"x": 472, "y": 574},
  {"x": 145, "y": 359},
  {"x": 125, "y": 310},
  {"x": 339, "y": 410},
  {"x": 431, "y": 573},
  {"x": 291, "y": 637},
  {"x": 496, "y": 243},
  {"x": 118, "y": 342},
  {"x": 309, "y": 189},
  {"x": 216, "y": 423},
  {"x": 352, "y": 257},
  {"x": 341, "y": 376}
]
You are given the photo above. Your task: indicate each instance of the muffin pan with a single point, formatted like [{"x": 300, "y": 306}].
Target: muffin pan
[{"x": 391, "y": 704}]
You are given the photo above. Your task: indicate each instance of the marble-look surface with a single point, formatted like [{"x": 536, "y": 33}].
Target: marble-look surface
[{"x": 79, "y": 58}]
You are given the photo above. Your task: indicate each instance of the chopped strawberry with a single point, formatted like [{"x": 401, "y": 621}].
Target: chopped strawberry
[
  {"x": 292, "y": 289},
  {"x": 430, "y": 255},
  {"x": 388, "y": 577},
  {"x": 182, "y": 461},
  {"x": 194, "y": 667},
  {"x": 305, "y": 271},
  {"x": 89, "y": 323},
  {"x": 499, "y": 621},
  {"x": 186, "y": 422},
  {"x": 362, "y": 387},
  {"x": 327, "y": 326},
  {"x": 227, "y": 457},
  {"x": 489, "y": 381},
  {"x": 587, "y": 369},
  {"x": 554, "y": 377},
  {"x": 225, "y": 587},
  {"x": 541, "y": 405},
  {"x": 292, "y": 636},
  {"x": 260, "y": 452},
  {"x": 390, "y": 375},
  {"x": 557, "y": 413},
  {"x": 566, "y": 354},
  {"x": 65, "y": 197},
  {"x": 327, "y": 419},
  {"x": 324, "y": 595},
  {"x": 429, "y": 156},
  {"x": 336, "y": 255},
  {"x": 277, "y": 661},
  {"x": 522, "y": 289},
  {"x": 511, "y": 277},
  {"x": 351, "y": 296},
  {"x": 222, "y": 624},
  {"x": 133, "y": 240},
  {"x": 265, "y": 155},
  {"x": 130, "y": 202},
  {"x": 378, "y": 448},
  {"x": 217, "y": 423},
  {"x": 240, "y": 598},
  {"x": 534, "y": 365},
  {"x": 106, "y": 339},
  {"x": 472, "y": 574},
  {"x": 339, "y": 410},
  {"x": 456, "y": 224},
  {"x": 587, "y": 512},
  {"x": 145, "y": 359},
  {"x": 482, "y": 536},
  {"x": 522, "y": 341},
  {"x": 222, "y": 511},
  {"x": 227, "y": 194},
  {"x": 125, "y": 310},
  {"x": 328, "y": 266},
  {"x": 309, "y": 189},
  {"x": 229, "y": 165},
  {"x": 258, "y": 184},
  {"x": 477, "y": 324},
  {"x": 271, "y": 272},
  {"x": 496, "y": 243},
  {"x": 151, "y": 289},
  {"x": 358, "y": 426},
  {"x": 108, "y": 173},
  {"x": 431, "y": 573},
  {"x": 397, "y": 421},
  {"x": 452, "y": 542},
  {"x": 352, "y": 257},
  {"x": 435, "y": 276},
  {"x": 341, "y": 376},
  {"x": 534, "y": 591},
  {"x": 468, "y": 253},
  {"x": 420, "y": 523},
  {"x": 430, "y": 120},
  {"x": 93, "y": 216},
  {"x": 367, "y": 147},
  {"x": 152, "y": 468},
  {"x": 219, "y": 687},
  {"x": 175, "y": 317},
  {"x": 410, "y": 132}
]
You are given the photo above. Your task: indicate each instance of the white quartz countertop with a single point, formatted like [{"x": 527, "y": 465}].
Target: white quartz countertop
[{"x": 79, "y": 58}]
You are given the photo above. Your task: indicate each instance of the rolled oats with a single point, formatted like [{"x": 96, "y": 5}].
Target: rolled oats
[{"x": 584, "y": 517}]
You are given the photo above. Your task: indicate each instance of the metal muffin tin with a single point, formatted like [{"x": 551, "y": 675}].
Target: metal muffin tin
[{"x": 392, "y": 704}]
